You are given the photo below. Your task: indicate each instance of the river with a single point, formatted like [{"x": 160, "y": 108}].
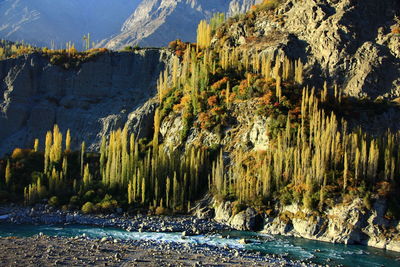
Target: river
[{"x": 293, "y": 248}]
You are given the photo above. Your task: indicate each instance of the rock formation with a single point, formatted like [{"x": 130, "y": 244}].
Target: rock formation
[
  {"x": 349, "y": 223},
  {"x": 99, "y": 96}
]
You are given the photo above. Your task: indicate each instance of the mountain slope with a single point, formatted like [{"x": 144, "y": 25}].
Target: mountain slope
[
  {"x": 42, "y": 22},
  {"x": 156, "y": 22},
  {"x": 352, "y": 44}
]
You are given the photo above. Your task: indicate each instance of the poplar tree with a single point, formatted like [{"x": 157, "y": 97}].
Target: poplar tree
[
  {"x": 68, "y": 141},
  {"x": 156, "y": 129},
  {"x": 87, "y": 177},
  {"x": 8, "y": 173},
  {"x": 36, "y": 145},
  {"x": 82, "y": 157}
]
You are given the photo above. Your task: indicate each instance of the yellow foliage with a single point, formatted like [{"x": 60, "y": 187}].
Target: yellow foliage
[{"x": 20, "y": 153}]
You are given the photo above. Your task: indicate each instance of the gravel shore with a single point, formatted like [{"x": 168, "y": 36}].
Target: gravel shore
[
  {"x": 44, "y": 214},
  {"x": 80, "y": 251},
  {"x": 41, "y": 250}
]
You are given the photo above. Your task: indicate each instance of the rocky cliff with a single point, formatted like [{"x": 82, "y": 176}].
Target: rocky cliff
[
  {"x": 157, "y": 22},
  {"x": 348, "y": 223},
  {"x": 91, "y": 100}
]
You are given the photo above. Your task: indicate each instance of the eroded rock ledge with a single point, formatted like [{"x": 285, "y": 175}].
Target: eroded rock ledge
[{"x": 350, "y": 223}]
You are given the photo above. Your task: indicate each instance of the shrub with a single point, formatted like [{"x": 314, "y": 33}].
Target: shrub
[
  {"x": 237, "y": 207},
  {"x": 74, "y": 200},
  {"x": 161, "y": 211},
  {"x": 285, "y": 197},
  {"x": 108, "y": 204},
  {"x": 308, "y": 202},
  {"x": 220, "y": 84},
  {"x": 396, "y": 30},
  {"x": 53, "y": 201},
  {"x": 20, "y": 153},
  {"x": 4, "y": 196},
  {"x": 89, "y": 195},
  {"x": 88, "y": 207},
  {"x": 267, "y": 5},
  {"x": 212, "y": 101},
  {"x": 367, "y": 201},
  {"x": 64, "y": 208}
]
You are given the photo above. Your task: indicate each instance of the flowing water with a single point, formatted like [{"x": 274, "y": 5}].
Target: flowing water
[{"x": 294, "y": 248}]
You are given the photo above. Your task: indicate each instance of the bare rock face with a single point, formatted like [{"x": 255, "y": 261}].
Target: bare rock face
[
  {"x": 157, "y": 22},
  {"x": 99, "y": 96}
]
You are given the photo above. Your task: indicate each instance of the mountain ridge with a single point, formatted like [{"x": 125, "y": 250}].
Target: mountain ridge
[
  {"x": 157, "y": 22},
  {"x": 42, "y": 22}
]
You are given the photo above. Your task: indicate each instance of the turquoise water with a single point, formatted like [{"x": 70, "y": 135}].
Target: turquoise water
[{"x": 294, "y": 248}]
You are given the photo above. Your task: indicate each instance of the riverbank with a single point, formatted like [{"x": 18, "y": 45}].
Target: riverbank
[
  {"x": 81, "y": 251},
  {"x": 45, "y": 214},
  {"x": 22, "y": 228}
]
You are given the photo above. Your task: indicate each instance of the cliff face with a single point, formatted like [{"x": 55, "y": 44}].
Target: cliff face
[
  {"x": 99, "y": 96},
  {"x": 157, "y": 22}
]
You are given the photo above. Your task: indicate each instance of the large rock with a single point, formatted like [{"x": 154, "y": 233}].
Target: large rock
[
  {"x": 223, "y": 212},
  {"x": 247, "y": 220},
  {"x": 346, "y": 222}
]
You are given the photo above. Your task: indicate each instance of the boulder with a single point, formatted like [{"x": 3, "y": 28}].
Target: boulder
[
  {"x": 223, "y": 212},
  {"x": 248, "y": 220}
]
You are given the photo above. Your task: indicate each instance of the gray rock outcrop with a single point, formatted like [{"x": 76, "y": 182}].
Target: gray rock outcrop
[{"x": 245, "y": 220}]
